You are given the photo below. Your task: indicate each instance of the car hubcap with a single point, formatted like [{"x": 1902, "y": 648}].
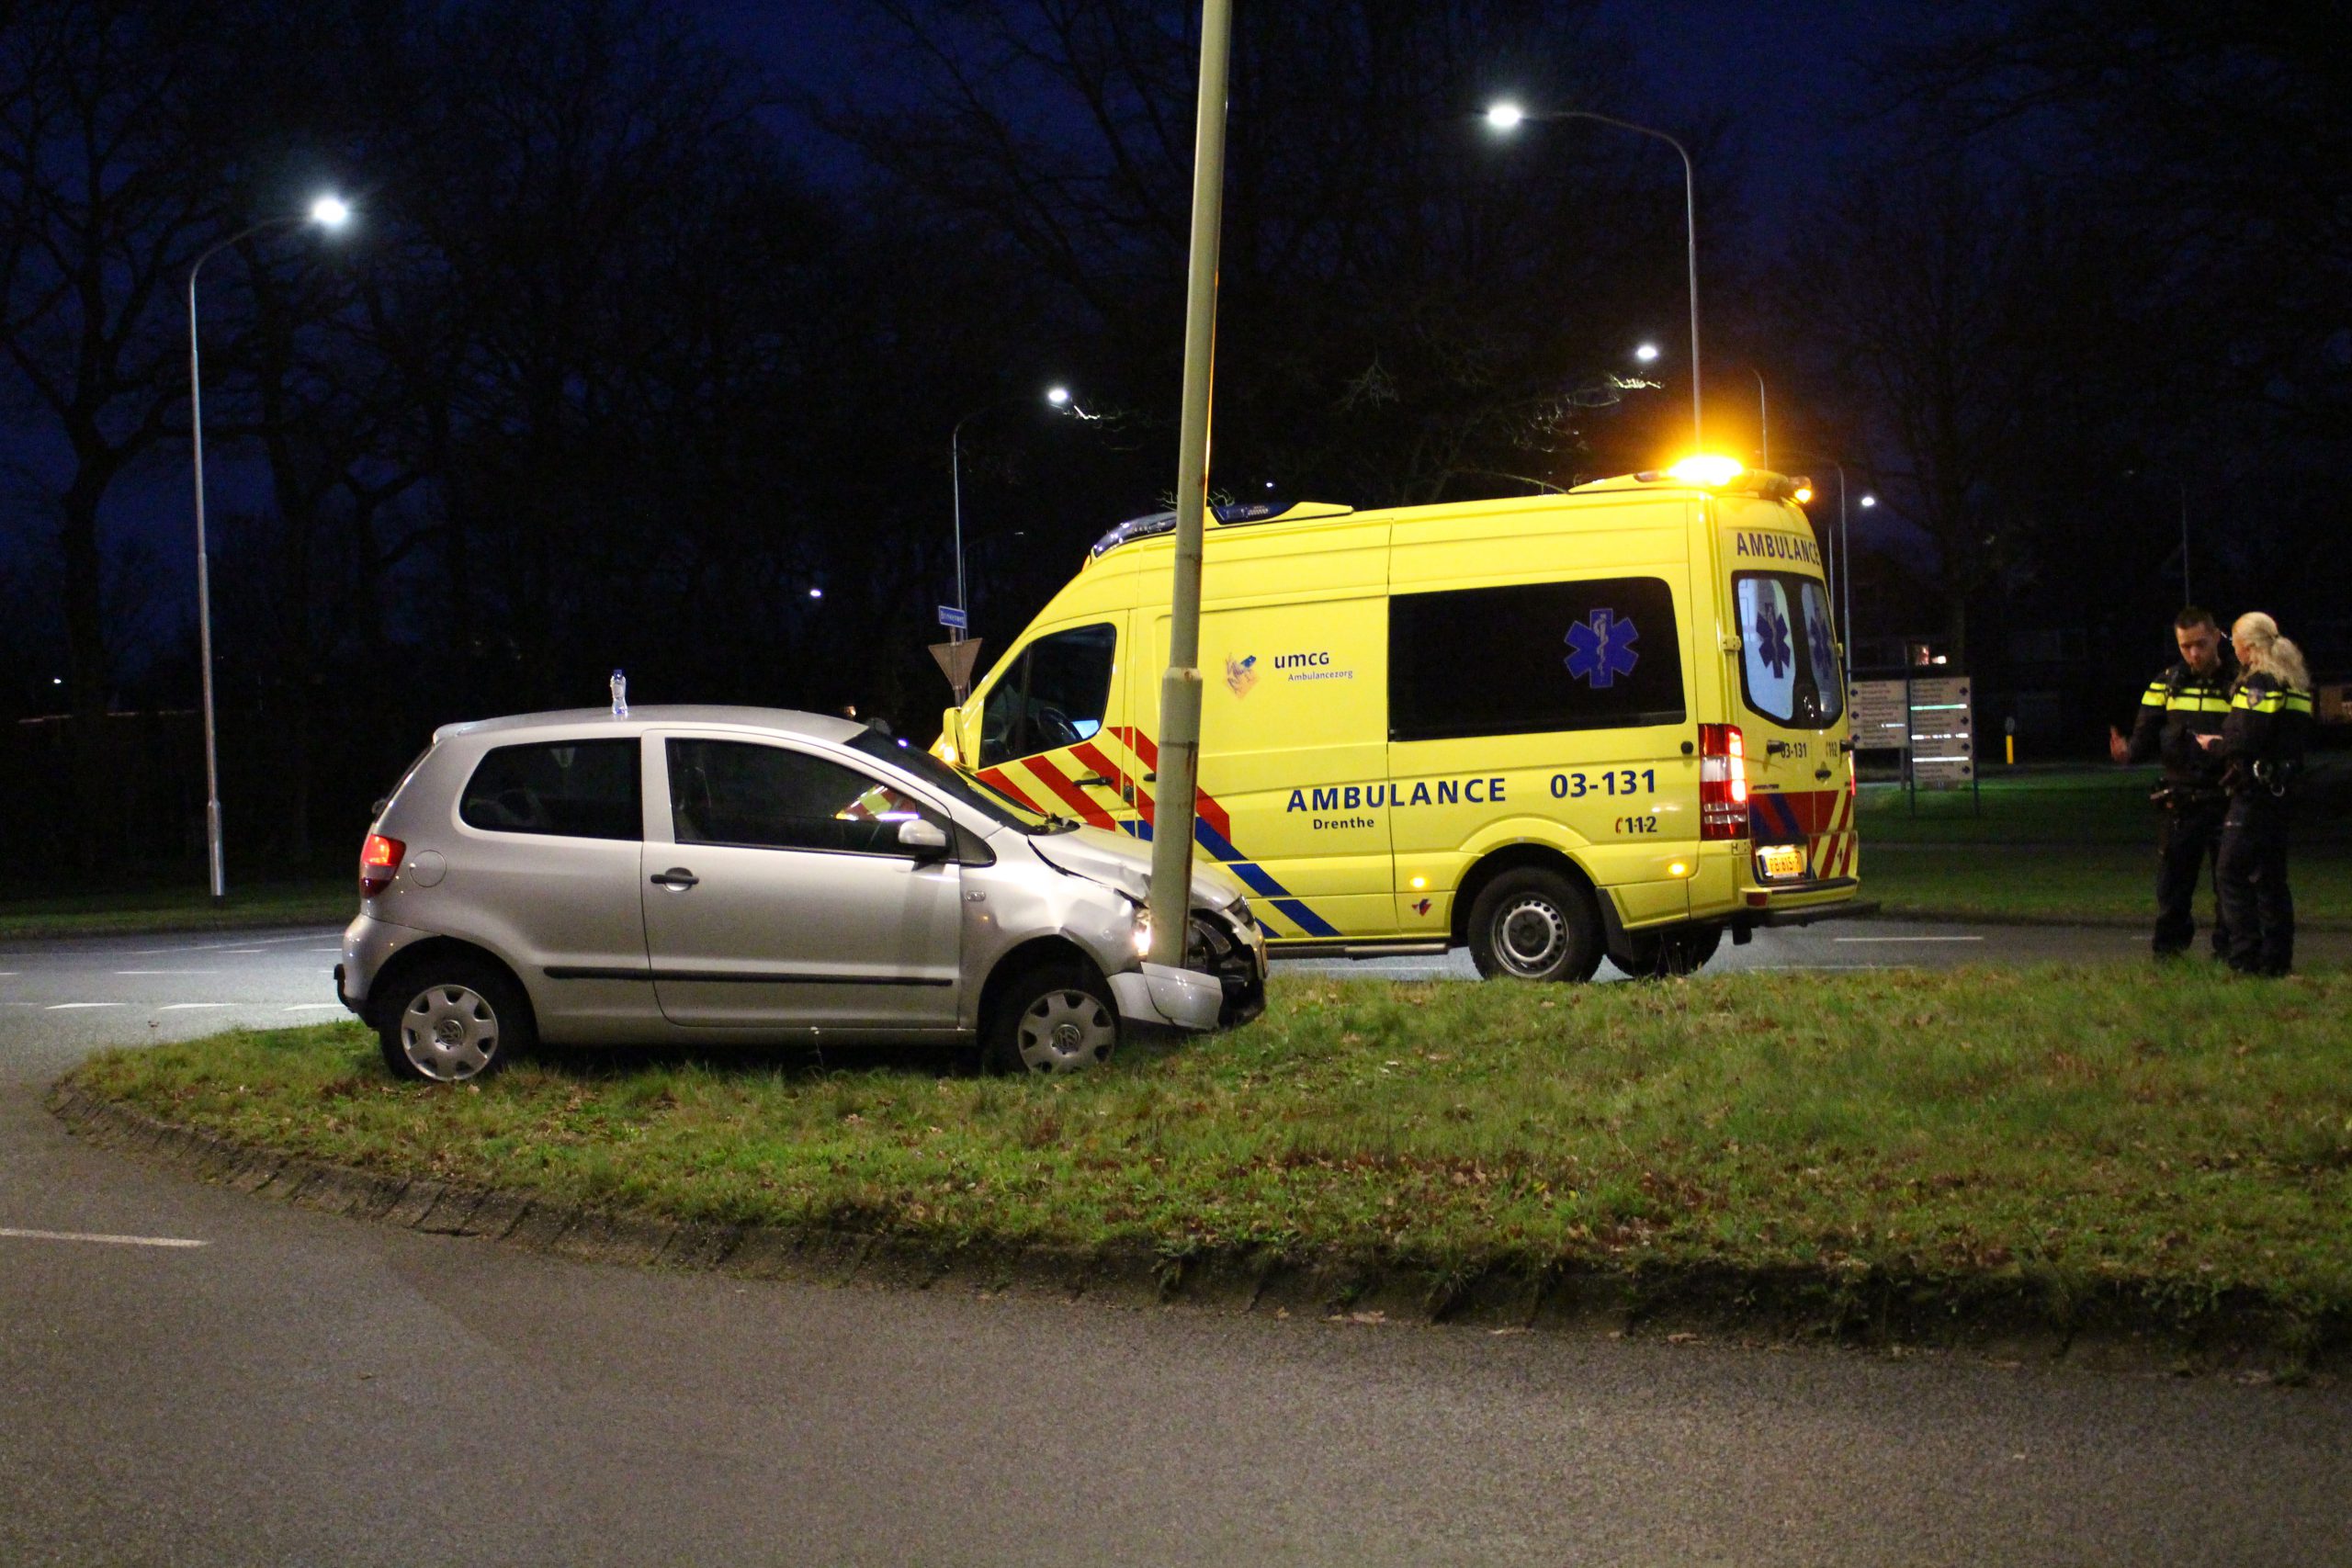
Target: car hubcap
[
  {"x": 449, "y": 1033},
  {"x": 1529, "y": 936},
  {"x": 1064, "y": 1030}
]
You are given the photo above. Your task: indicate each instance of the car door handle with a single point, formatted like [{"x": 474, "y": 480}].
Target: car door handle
[
  {"x": 677, "y": 879},
  {"x": 1098, "y": 781}
]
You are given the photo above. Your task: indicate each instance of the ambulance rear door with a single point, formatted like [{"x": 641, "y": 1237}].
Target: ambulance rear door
[{"x": 1787, "y": 692}]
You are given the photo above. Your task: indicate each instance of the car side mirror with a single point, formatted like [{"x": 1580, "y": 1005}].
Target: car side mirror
[
  {"x": 951, "y": 730},
  {"x": 928, "y": 839}
]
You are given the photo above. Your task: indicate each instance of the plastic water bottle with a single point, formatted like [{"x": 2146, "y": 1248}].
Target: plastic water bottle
[{"x": 620, "y": 694}]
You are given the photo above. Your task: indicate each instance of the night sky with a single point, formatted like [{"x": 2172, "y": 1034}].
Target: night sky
[{"x": 1791, "y": 79}]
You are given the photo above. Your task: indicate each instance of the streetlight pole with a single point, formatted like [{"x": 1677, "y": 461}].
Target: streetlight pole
[
  {"x": 1764, "y": 426},
  {"x": 1843, "y": 579},
  {"x": 1180, "y": 684},
  {"x": 1059, "y": 398},
  {"x": 1507, "y": 116},
  {"x": 327, "y": 212}
]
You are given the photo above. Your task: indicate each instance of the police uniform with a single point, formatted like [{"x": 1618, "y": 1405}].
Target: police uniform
[
  {"x": 2179, "y": 705},
  {"x": 2268, "y": 726}
]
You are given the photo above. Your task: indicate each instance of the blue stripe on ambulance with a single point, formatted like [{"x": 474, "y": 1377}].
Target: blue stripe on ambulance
[{"x": 1253, "y": 877}]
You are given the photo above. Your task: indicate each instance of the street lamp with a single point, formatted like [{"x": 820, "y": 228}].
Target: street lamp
[
  {"x": 330, "y": 213},
  {"x": 1056, "y": 397},
  {"x": 1646, "y": 353},
  {"x": 1506, "y": 117},
  {"x": 1763, "y": 423},
  {"x": 1843, "y": 578}
]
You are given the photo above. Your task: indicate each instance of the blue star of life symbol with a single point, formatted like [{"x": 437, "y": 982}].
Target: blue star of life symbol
[
  {"x": 1772, "y": 641},
  {"x": 1817, "y": 631},
  {"x": 1603, "y": 649}
]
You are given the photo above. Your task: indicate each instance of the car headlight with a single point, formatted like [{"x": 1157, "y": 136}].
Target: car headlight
[
  {"x": 1241, "y": 907},
  {"x": 1143, "y": 930}
]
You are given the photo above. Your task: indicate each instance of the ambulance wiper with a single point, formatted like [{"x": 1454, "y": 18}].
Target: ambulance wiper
[{"x": 1062, "y": 824}]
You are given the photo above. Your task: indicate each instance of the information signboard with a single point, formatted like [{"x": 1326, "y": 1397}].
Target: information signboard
[
  {"x": 1942, "y": 733},
  {"x": 1881, "y": 716}
]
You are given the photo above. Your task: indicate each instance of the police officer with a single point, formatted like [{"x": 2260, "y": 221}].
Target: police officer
[
  {"x": 2180, "y": 723},
  {"x": 2268, "y": 725}
]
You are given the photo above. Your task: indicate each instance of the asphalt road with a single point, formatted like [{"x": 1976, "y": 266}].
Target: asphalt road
[{"x": 305, "y": 1390}]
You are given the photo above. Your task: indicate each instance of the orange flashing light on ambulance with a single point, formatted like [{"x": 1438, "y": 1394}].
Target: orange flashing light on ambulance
[{"x": 1550, "y": 729}]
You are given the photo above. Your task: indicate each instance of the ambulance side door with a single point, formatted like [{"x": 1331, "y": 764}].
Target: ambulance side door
[{"x": 1293, "y": 727}]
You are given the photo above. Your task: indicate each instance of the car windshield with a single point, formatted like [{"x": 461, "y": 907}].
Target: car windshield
[{"x": 968, "y": 788}]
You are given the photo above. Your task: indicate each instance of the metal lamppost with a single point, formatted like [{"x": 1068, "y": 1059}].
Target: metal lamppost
[
  {"x": 330, "y": 213},
  {"x": 1844, "y": 577},
  {"x": 1764, "y": 426},
  {"x": 1510, "y": 116},
  {"x": 1180, "y": 684},
  {"x": 1059, "y": 398}
]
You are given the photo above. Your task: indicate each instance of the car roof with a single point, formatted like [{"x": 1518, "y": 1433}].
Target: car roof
[{"x": 766, "y": 721}]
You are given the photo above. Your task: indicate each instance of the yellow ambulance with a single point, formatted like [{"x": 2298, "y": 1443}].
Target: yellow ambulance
[{"x": 1551, "y": 728}]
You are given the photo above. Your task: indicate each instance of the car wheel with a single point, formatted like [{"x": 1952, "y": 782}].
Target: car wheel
[
  {"x": 1054, "y": 1019},
  {"x": 1532, "y": 924},
  {"x": 455, "y": 1020}
]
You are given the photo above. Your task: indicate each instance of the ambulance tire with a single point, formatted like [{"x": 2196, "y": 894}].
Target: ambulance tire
[
  {"x": 1658, "y": 956},
  {"x": 1533, "y": 924}
]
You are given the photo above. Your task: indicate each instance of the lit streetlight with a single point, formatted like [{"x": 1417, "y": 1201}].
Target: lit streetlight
[
  {"x": 1842, "y": 580},
  {"x": 1506, "y": 117},
  {"x": 330, "y": 213},
  {"x": 1059, "y": 398},
  {"x": 1646, "y": 353}
]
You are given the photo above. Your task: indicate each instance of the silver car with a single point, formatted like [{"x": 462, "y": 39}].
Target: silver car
[{"x": 701, "y": 874}]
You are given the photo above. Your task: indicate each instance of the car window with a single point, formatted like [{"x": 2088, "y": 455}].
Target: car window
[
  {"x": 769, "y": 797},
  {"x": 579, "y": 789},
  {"x": 955, "y": 782},
  {"x": 1788, "y": 654},
  {"x": 1600, "y": 653},
  {"x": 1053, "y": 696}
]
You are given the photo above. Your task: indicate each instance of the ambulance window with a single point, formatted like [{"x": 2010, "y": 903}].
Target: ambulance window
[
  {"x": 1054, "y": 695},
  {"x": 1532, "y": 656},
  {"x": 1820, "y": 649},
  {"x": 1788, "y": 658}
]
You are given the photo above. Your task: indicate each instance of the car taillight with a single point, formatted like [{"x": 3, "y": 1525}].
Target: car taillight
[
  {"x": 379, "y": 859},
  {"x": 1723, "y": 781}
]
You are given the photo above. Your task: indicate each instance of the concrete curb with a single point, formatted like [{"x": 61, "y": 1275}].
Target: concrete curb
[{"x": 2012, "y": 1316}]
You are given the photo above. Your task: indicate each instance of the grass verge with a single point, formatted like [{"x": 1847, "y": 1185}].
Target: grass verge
[
  {"x": 321, "y": 901},
  {"x": 2070, "y": 844},
  {"x": 2173, "y": 1140}
]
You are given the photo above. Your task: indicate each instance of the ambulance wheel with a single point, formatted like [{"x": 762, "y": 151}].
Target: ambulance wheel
[
  {"x": 1532, "y": 924},
  {"x": 1649, "y": 955}
]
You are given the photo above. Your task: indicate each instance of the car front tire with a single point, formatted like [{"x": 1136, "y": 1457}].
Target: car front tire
[{"x": 1058, "y": 1018}]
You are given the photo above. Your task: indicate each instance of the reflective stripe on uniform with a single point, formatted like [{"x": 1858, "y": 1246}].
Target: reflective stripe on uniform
[
  {"x": 2206, "y": 701},
  {"x": 2272, "y": 701},
  {"x": 2156, "y": 694},
  {"x": 2299, "y": 702}
]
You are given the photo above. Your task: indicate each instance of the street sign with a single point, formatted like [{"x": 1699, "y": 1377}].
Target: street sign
[
  {"x": 955, "y": 663},
  {"x": 1881, "y": 716},
  {"x": 1943, "y": 734},
  {"x": 954, "y": 619}
]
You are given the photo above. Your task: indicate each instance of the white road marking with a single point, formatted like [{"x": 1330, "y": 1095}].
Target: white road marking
[
  {"x": 69, "y": 1006},
  {"x": 109, "y": 1240},
  {"x": 182, "y": 1007},
  {"x": 168, "y": 971},
  {"x": 313, "y": 1006},
  {"x": 326, "y": 950},
  {"x": 1842, "y": 939}
]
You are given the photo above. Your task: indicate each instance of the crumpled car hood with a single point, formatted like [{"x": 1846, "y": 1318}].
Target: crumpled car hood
[{"x": 1117, "y": 861}]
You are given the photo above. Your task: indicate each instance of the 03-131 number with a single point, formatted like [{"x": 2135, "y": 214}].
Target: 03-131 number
[{"x": 1608, "y": 781}]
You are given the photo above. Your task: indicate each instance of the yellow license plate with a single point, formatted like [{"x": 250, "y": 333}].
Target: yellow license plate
[{"x": 1782, "y": 860}]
